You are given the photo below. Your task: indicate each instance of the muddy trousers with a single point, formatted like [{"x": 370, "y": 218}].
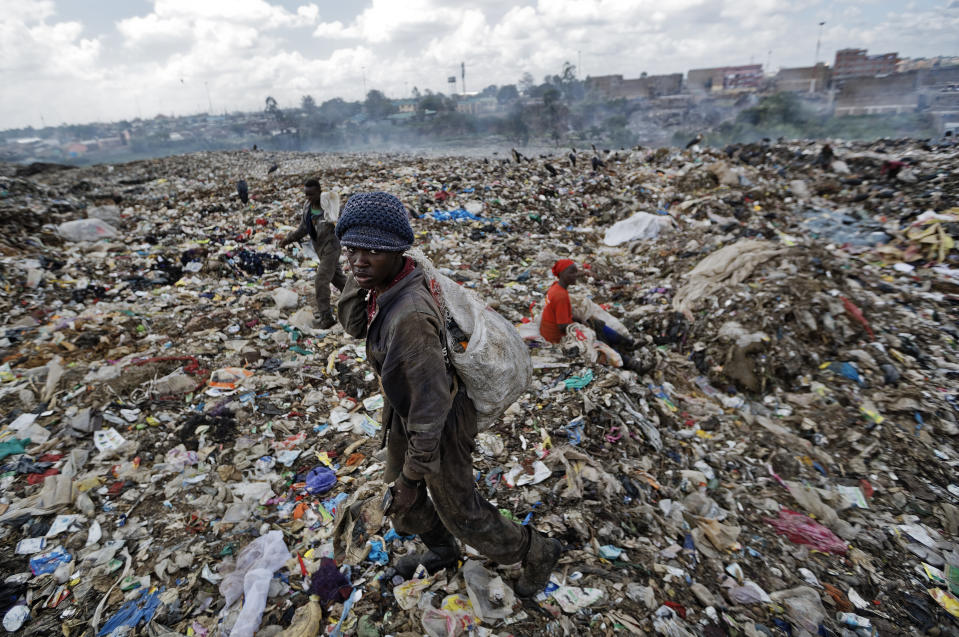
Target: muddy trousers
[
  {"x": 328, "y": 271},
  {"x": 453, "y": 501}
]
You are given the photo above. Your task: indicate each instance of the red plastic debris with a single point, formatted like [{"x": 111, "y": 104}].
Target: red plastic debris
[
  {"x": 676, "y": 606},
  {"x": 37, "y": 478},
  {"x": 802, "y": 529},
  {"x": 856, "y": 313}
]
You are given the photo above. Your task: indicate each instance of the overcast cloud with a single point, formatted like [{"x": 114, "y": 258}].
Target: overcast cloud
[{"x": 70, "y": 62}]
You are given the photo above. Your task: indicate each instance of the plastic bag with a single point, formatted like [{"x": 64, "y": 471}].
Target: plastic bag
[
  {"x": 495, "y": 366},
  {"x": 454, "y": 617},
  {"x": 86, "y": 230},
  {"x": 582, "y": 338},
  {"x": 802, "y": 529},
  {"x": 641, "y": 225},
  {"x": 330, "y": 203},
  {"x": 803, "y": 607},
  {"x": 229, "y": 377},
  {"x": 255, "y": 566},
  {"x": 285, "y": 299},
  {"x": 584, "y": 309},
  {"x": 490, "y": 597}
]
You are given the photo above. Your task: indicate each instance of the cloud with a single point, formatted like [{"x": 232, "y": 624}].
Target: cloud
[
  {"x": 31, "y": 45},
  {"x": 181, "y": 19},
  {"x": 166, "y": 58}
]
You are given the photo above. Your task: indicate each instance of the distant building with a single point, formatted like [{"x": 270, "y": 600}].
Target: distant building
[
  {"x": 478, "y": 105},
  {"x": 916, "y": 64},
  {"x": 804, "y": 79},
  {"x": 75, "y": 149},
  {"x": 939, "y": 96},
  {"x": 405, "y": 105},
  {"x": 643, "y": 87},
  {"x": 748, "y": 77},
  {"x": 857, "y": 63},
  {"x": 898, "y": 93}
]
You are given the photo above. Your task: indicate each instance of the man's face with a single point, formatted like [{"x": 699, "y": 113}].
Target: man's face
[
  {"x": 568, "y": 276},
  {"x": 372, "y": 269},
  {"x": 312, "y": 193}
]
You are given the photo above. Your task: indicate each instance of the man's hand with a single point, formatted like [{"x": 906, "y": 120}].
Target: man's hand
[
  {"x": 283, "y": 243},
  {"x": 405, "y": 494}
]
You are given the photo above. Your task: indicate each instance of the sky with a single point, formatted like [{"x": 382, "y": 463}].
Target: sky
[{"x": 78, "y": 61}]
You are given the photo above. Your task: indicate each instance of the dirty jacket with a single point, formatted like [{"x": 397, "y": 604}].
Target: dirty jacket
[
  {"x": 405, "y": 347},
  {"x": 320, "y": 231}
]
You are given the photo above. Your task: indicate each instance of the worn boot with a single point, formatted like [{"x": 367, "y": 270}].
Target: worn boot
[
  {"x": 326, "y": 320},
  {"x": 538, "y": 564},
  {"x": 442, "y": 553}
]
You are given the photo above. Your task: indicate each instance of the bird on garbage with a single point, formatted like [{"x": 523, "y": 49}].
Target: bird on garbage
[
  {"x": 572, "y": 159},
  {"x": 273, "y": 168},
  {"x": 597, "y": 162},
  {"x": 549, "y": 167},
  {"x": 698, "y": 138},
  {"x": 243, "y": 191},
  {"x": 517, "y": 156}
]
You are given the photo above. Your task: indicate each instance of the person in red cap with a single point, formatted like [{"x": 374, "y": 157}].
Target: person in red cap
[
  {"x": 558, "y": 315},
  {"x": 558, "y": 312}
]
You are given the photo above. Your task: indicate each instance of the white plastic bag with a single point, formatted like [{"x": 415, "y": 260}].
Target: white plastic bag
[
  {"x": 285, "y": 298},
  {"x": 495, "y": 368},
  {"x": 584, "y": 309},
  {"x": 255, "y": 566},
  {"x": 641, "y": 225},
  {"x": 492, "y": 599},
  {"x": 86, "y": 230},
  {"x": 330, "y": 203}
]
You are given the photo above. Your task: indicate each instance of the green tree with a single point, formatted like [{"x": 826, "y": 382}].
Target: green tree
[
  {"x": 377, "y": 105},
  {"x": 436, "y": 102},
  {"x": 308, "y": 104},
  {"x": 337, "y": 111},
  {"x": 507, "y": 93},
  {"x": 526, "y": 83}
]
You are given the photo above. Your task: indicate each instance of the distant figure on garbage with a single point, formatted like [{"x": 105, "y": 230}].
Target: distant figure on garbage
[
  {"x": 321, "y": 230},
  {"x": 429, "y": 422},
  {"x": 243, "y": 191},
  {"x": 558, "y": 311},
  {"x": 557, "y": 317},
  {"x": 695, "y": 141}
]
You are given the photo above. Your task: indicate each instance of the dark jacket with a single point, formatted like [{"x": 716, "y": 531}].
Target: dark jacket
[
  {"x": 405, "y": 347},
  {"x": 320, "y": 230}
]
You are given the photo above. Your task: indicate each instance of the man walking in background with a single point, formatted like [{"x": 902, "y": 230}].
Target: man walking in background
[{"x": 316, "y": 222}]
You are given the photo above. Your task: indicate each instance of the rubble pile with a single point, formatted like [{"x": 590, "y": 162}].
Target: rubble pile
[{"x": 183, "y": 453}]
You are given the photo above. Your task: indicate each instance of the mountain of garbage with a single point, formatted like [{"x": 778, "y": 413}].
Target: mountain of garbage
[{"x": 184, "y": 453}]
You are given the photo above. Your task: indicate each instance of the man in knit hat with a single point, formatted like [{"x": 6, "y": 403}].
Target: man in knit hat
[
  {"x": 429, "y": 422},
  {"x": 314, "y": 222}
]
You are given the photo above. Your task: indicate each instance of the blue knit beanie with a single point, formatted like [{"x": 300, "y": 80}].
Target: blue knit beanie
[{"x": 375, "y": 221}]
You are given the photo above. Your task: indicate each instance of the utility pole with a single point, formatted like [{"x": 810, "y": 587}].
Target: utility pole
[
  {"x": 818, "y": 42},
  {"x": 463, "y": 75},
  {"x": 206, "y": 85}
]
